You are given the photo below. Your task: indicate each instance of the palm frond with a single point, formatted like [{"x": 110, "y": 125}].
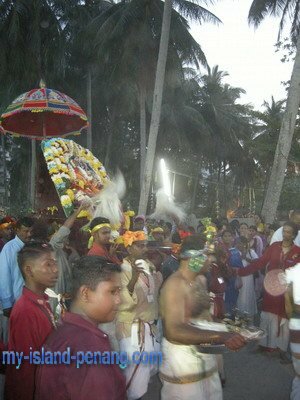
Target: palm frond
[{"x": 195, "y": 12}]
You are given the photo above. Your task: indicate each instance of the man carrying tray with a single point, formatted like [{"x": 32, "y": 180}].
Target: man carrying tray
[{"x": 186, "y": 373}]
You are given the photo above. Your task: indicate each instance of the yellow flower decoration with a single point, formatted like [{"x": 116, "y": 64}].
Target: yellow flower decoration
[
  {"x": 57, "y": 181},
  {"x": 65, "y": 200},
  {"x": 85, "y": 214},
  {"x": 81, "y": 184},
  {"x": 70, "y": 193}
]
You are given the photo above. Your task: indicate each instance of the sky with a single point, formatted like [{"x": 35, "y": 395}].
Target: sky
[{"x": 247, "y": 54}]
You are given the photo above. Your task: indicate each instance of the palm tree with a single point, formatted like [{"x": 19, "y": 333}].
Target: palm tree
[
  {"x": 263, "y": 145},
  {"x": 258, "y": 11},
  {"x": 190, "y": 9},
  {"x": 156, "y": 108},
  {"x": 127, "y": 39}
]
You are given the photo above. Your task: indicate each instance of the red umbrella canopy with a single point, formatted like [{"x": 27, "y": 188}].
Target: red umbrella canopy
[{"x": 43, "y": 113}]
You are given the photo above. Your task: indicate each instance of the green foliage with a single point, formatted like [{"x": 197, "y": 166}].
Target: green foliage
[{"x": 205, "y": 132}]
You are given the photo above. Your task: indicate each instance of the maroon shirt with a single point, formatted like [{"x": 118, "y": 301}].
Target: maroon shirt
[
  {"x": 30, "y": 323},
  {"x": 273, "y": 258},
  {"x": 92, "y": 382}
]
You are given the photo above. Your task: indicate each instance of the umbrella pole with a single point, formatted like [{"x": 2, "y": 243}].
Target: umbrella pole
[{"x": 32, "y": 173}]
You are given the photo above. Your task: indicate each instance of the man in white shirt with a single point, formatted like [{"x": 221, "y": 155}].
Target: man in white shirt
[
  {"x": 295, "y": 218},
  {"x": 292, "y": 278}
]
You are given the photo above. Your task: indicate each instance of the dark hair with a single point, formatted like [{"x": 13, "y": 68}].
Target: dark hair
[
  {"x": 254, "y": 227},
  {"x": 244, "y": 223},
  {"x": 193, "y": 242},
  {"x": 234, "y": 224},
  {"x": 227, "y": 231},
  {"x": 32, "y": 251},
  {"x": 40, "y": 231},
  {"x": 25, "y": 221},
  {"x": 293, "y": 226},
  {"x": 98, "y": 221},
  {"x": 90, "y": 271}
]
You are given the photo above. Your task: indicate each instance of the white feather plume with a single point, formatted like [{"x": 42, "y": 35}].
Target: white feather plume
[
  {"x": 166, "y": 208},
  {"x": 107, "y": 203}
]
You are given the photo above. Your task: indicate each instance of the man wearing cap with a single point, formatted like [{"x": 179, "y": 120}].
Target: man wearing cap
[
  {"x": 138, "y": 313},
  {"x": 100, "y": 240},
  {"x": 185, "y": 372}
]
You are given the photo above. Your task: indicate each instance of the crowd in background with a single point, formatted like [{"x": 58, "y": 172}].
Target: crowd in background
[{"x": 146, "y": 255}]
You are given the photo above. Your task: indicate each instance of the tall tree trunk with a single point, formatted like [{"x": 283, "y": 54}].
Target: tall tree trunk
[
  {"x": 4, "y": 169},
  {"x": 89, "y": 108},
  {"x": 143, "y": 131},
  {"x": 224, "y": 188},
  {"x": 32, "y": 173},
  {"x": 284, "y": 143},
  {"x": 156, "y": 107}
]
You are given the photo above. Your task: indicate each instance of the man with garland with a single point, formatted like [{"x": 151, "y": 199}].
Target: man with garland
[{"x": 136, "y": 322}]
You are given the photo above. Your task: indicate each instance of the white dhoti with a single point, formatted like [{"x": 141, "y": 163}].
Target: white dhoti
[
  {"x": 187, "y": 374},
  {"x": 246, "y": 301},
  {"x": 138, "y": 375},
  {"x": 277, "y": 333},
  {"x": 295, "y": 350}
]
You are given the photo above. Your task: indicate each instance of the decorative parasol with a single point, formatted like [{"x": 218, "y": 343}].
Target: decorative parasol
[
  {"x": 43, "y": 113},
  {"x": 39, "y": 114}
]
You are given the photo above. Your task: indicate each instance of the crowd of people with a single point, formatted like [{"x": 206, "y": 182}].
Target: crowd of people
[{"x": 154, "y": 287}]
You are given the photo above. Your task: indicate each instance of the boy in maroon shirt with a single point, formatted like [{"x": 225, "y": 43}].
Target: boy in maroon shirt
[
  {"x": 31, "y": 319},
  {"x": 96, "y": 296}
]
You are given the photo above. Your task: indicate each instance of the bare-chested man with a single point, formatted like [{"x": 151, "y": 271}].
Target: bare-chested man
[{"x": 185, "y": 372}]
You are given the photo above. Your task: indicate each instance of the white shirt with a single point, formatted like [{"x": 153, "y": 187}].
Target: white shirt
[
  {"x": 293, "y": 276},
  {"x": 277, "y": 237}
]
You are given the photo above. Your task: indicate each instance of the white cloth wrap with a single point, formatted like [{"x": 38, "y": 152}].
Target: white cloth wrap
[{"x": 140, "y": 381}]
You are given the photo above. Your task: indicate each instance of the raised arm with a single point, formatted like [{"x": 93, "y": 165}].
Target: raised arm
[{"x": 57, "y": 240}]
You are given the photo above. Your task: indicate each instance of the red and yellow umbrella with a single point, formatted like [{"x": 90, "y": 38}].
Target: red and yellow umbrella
[{"x": 43, "y": 113}]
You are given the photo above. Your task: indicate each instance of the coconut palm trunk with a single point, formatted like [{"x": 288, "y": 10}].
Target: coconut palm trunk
[
  {"x": 89, "y": 108},
  {"x": 33, "y": 173},
  {"x": 156, "y": 107},
  {"x": 283, "y": 148},
  {"x": 143, "y": 131}
]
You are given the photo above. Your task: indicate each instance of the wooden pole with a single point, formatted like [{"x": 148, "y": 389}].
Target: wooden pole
[{"x": 32, "y": 173}]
